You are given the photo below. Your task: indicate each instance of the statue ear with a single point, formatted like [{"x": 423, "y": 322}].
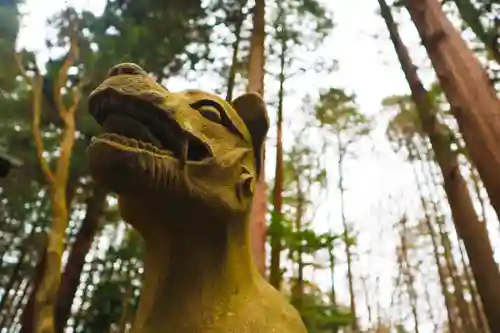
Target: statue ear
[{"x": 252, "y": 110}]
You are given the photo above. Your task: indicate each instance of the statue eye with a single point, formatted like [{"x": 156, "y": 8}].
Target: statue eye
[
  {"x": 210, "y": 113},
  {"x": 208, "y": 109}
]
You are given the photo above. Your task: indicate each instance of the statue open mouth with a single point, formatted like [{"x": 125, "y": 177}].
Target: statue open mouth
[{"x": 133, "y": 123}]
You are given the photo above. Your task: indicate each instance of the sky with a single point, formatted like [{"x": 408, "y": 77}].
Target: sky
[{"x": 368, "y": 67}]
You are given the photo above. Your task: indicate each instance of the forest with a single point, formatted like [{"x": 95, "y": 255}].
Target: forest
[{"x": 377, "y": 209}]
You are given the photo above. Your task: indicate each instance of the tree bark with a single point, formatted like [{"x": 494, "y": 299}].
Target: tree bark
[
  {"x": 432, "y": 179},
  {"x": 46, "y": 291},
  {"x": 298, "y": 289},
  {"x": 478, "y": 310},
  {"x": 234, "y": 61},
  {"x": 467, "y": 223},
  {"x": 452, "y": 324},
  {"x": 76, "y": 259},
  {"x": 352, "y": 297},
  {"x": 408, "y": 271},
  {"x": 28, "y": 323},
  {"x": 473, "y": 100},
  {"x": 277, "y": 218},
  {"x": 256, "y": 84}
]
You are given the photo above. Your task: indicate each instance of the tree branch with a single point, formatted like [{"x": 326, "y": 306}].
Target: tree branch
[
  {"x": 36, "y": 83},
  {"x": 36, "y": 86},
  {"x": 62, "y": 76}
]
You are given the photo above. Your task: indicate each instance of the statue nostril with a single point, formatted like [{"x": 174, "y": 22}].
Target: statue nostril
[{"x": 126, "y": 68}]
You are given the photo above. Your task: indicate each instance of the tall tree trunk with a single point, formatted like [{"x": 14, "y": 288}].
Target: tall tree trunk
[
  {"x": 17, "y": 305},
  {"x": 432, "y": 179},
  {"x": 277, "y": 217},
  {"x": 71, "y": 277},
  {"x": 452, "y": 324},
  {"x": 430, "y": 312},
  {"x": 256, "y": 84},
  {"x": 333, "y": 296},
  {"x": 466, "y": 85},
  {"x": 347, "y": 243},
  {"x": 86, "y": 295},
  {"x": 5, "y": 312},
  {"x": 298, "y": 290},
  {"x": 467, "y": 223},
  {"x": 28, "y": 323},
  {"x": 367, "y": 299},
  {"x": 477, "y": 188},
  {"x": 478, "y": 310},
  {"x": 46, "y": 293},
  {"x": 234, "y": 60},
  {"x": 479, "y": 322},
  {"x": 15, "y": 275},
  {"x": 463, "y": 308},
  {"x": 408, "y": 272}
]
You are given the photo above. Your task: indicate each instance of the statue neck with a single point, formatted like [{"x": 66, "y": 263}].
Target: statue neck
[{"x": 191, "y": 273}]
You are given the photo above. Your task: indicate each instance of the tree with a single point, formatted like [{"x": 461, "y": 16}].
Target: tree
[
  {"x": 338, "y": 114},
  {"x": 256, "y": 84},
  {"x": 57, "y": 180},
  {"x": 473, "y": 100},
  {"x": 289, "y": 34}
]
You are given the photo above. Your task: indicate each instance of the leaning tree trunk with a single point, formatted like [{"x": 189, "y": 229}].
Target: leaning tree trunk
[
  {"x": 468, "y": 225},
  {"x": 452, "y": 324},
  {"x": 76, "y": 259},
  {"x": 473, "y": 100},
  {"x": 431, "y": 179},
  {"x": 256, "y": 84}
]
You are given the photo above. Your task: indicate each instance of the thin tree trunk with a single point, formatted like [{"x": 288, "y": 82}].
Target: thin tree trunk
[
  {"x": 86, "y": 293},
  {"x": 352, "y": 297},
  {"x": 14, "y": 276},
  {"x": 277, "y": 218},
  {"x": 407, "y": 270},
  {"x": 478, "y": 311},
  {"x": 367, "y": 299},
  {"x": 477, "y": 188},
  {"x": 234, "y": 60},
  {"x": 467, "y": 223},
  {"x": 122, "y": 324},
  {"x": 28, "y": 324},
  {"x": 298, "y": 296},
  {"x": 473, "y": 100},
  {"x": 76, "y": 259},
  {"x": 17, "y": 305},
  {"x": 256, "y": 84},
  {"x": 333, "y": 296},
  {"x": 8, "y": 303},
  {"x": 430, "y": 313},
  {"x": 452, "y": 324},
  {"x": 432, "y": 177},
  {"x": 463, "y": 308}
]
